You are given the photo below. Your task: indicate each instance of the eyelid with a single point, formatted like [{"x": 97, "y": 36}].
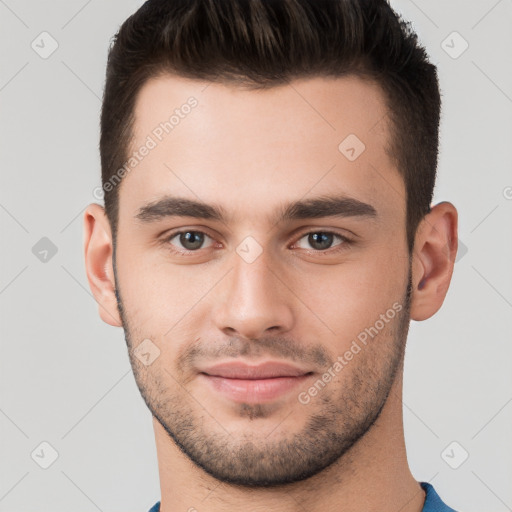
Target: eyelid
[
  {"x": 345, "y": 240},
  {"x": 169, "y": 235}
]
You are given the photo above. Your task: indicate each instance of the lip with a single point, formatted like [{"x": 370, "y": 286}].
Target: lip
[
  {"x": 266, "y": 370},
  {"x": 260, "y": 383}
]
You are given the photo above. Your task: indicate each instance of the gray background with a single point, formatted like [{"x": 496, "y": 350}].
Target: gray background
[{"x": 65, "y": 376}]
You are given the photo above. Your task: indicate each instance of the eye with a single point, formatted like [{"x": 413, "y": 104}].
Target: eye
[
  {"x": 189, "y": 240},
  {"x": 321, "y": 240}
]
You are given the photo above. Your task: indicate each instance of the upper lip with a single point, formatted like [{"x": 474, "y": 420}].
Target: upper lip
[{"x": 267, "y": 370}]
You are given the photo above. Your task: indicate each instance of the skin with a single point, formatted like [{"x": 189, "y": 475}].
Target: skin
[{"x": 251, "y": 153}]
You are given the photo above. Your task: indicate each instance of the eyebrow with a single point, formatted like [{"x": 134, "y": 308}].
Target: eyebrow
[{"x": 324, "y": 206}]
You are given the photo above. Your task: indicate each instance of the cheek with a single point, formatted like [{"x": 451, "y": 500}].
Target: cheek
[
  {"x": 351, "y": 297},
  {"x": 159, "y": 298}
]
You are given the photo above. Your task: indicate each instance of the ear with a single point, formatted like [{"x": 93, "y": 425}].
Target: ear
[
  {"x": 435, "y": 248},
  {"x": 98, "y": 249}
]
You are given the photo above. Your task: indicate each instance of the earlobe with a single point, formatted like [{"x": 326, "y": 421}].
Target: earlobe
[
  {"x": 434, "y": 254},
  {"x": 98, "y": 252}
]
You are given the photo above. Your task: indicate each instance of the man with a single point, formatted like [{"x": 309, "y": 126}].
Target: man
[{"x": 268, "y": 234}]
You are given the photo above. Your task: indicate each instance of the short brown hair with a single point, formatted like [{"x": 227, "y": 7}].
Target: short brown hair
[{"x": 263, "y": 43}]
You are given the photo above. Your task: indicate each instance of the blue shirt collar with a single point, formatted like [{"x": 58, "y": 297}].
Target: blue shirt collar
[{"x": 433, "y": 503}]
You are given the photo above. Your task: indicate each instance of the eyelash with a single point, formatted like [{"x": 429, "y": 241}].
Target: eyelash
[{"x": 343, "y": 245}]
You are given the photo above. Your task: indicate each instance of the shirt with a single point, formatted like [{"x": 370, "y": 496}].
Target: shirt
[{"x": 433, "y": 503}]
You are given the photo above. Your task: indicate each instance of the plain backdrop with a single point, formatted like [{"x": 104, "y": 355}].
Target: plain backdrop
[{"x": 65, "y": 376}]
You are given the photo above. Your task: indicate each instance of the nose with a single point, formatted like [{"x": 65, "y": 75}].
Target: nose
[{"x": 253, "y": 301}]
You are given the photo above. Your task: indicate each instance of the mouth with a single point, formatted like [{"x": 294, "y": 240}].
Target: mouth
[{"x": 261, "y": 383}]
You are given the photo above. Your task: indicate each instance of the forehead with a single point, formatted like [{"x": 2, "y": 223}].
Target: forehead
[{"x": 246, "y": 148}]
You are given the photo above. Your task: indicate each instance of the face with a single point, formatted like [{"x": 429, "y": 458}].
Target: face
[{"x": 263, "y": 255}]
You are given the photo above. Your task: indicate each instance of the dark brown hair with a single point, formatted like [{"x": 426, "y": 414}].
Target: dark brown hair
[{"x": 263, "y": 43}]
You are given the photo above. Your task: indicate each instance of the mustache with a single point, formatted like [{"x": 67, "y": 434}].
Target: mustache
[{"x": 280, "y": 347}]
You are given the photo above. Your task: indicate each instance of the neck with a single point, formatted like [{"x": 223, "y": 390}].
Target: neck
[{"x": 373, "y": 474}]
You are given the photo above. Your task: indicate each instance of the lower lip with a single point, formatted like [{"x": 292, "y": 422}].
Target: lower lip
[{"x": 254, "y": 390}]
